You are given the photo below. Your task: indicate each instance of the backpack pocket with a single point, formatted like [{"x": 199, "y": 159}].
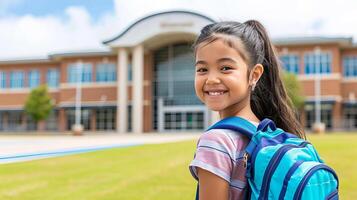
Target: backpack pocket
[{"x": 318, "y": 182}]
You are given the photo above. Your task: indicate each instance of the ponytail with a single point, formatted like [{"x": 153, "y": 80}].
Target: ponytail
[{"x": 270, "y": 98}]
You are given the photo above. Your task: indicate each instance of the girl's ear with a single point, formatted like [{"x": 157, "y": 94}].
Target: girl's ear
[{"x": 255, "y": 74}]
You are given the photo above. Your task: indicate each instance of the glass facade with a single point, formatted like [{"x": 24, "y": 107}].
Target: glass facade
[
  {"x": 2, "y": 79},
  {"x": 173, "y": 82},
  {"x": 2, "y": 122},
  {"x": 52, "y": 121},
  {"x": 174, "y": 73},
  {"x": 130, "y": 72},
  {"x": 15, "y": 121},
  {"x": 17, "y": 79},
  {"x": 106, "y": 72},
  {"x": 350, "y": 116},
  {"x": 320, "y": 63},
  {"x": 31, "y": 125},
  {"x": 33, "y": 78},
  {"x": 290, "y": 63},
  {"x": 184, "y": 121},
  {"x": 350, "y": 66},
  {"x": 105, "y": 118},
  {"x": 85, "y": 118},
  {"x": 52, "y": 78},
  {"x": 326, "y": 115},
  {"x": 73, "y": 71}
]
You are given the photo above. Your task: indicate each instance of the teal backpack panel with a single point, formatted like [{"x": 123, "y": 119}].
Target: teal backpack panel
[{"x": 280, "y": 165}]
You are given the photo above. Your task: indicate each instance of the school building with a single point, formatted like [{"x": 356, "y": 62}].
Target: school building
[{"x": 144, "y": 82}]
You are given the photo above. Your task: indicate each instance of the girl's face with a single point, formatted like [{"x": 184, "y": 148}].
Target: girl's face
[{"x": 221, "y": 80}]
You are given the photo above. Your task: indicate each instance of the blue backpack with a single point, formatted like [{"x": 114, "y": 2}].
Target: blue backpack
[{"x": 281, "y": 165}]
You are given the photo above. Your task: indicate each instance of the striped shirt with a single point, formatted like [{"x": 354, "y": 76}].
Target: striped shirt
[{"x": 220, "y": 151}]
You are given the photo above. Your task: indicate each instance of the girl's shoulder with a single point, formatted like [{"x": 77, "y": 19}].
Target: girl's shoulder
[{"x": 225, "y": 137}]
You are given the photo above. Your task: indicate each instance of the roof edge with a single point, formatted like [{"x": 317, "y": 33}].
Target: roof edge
[
  {"x": 26, "y": 60},
  {"x": 153, "y": 15},
  {"x": 343, "y": 41},
  {"x": 57, "y": 56}
]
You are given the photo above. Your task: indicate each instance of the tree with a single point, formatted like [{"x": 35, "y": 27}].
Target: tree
[
  {"x": 39, "y": 104},
  {"x": 293, "y": 88}
]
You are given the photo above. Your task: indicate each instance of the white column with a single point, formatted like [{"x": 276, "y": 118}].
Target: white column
[
  {"x": 78, "y": 93},
  {"x": 122, "y": 93},
  {"x": 317, "y": 86},
  {"x": 137, "y": 86}
]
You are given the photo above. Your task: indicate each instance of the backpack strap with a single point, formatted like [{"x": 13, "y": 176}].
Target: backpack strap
[
  {"x": 265, "y": 124},
  {"x": 238, "y": 124}
]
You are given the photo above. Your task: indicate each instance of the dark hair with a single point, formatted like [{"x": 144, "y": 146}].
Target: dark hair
[{"x": 269, "y": 98}]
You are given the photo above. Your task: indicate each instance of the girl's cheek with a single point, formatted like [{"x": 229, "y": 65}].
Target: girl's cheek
[{"x": 198, "y": 86}]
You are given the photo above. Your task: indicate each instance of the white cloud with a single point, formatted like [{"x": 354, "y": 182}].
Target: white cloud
[{"x": 27, "y": 36}]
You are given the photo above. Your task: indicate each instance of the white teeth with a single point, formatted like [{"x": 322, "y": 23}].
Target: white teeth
[{"x": 215, "y": 93}]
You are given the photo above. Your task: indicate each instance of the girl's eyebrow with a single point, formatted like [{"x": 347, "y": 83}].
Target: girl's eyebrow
[
  {"x": 225, "y": 59},
  {"x": 201, "y": 62}
]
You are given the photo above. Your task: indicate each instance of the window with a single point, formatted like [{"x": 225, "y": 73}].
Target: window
[
  {"x": 31, "y": 125},
  {"x": 34, "y": 78},
  {"x": 290, "y": 63},
  {"x": 106, "y": 72},
  {"x": 85, "y": 118},
  {"x": 173, "y": 81},
  {"x": 184, "y": 121},
  {"x": 350, "y": 66},
  {"x": 326, "y": 115},
  {"x": 73, "y": 70},
  {"x": 2, "y": 79},
  {"x": 2, "y": 113},
  {"x": 130, "y": 72},
  {"x": 52, "y": 78},
  {"x": 17, "y": 79},
  {"x": 321, "y": 61},
  {"x": 106, "y": 118},
  {"x": 52, "y": 121},
  {"x": 15, "y": 121}
]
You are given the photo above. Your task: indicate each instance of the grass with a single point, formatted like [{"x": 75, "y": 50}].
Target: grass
[
  {"x": 143, "y": 172},
  {"x": 339, "y": 150}
]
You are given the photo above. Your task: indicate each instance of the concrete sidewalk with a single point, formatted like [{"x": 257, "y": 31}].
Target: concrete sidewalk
[{"x": 16, "y": 148}]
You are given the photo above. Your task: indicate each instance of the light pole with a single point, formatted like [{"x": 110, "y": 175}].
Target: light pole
[
  {"x": 77, "y": 127},
  {"x": 318, "y": 126}
]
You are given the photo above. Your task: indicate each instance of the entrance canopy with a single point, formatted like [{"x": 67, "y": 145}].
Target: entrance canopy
[{"x": 166, "y": 24}]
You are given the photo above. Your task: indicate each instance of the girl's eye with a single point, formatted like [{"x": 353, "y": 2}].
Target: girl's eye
[
  {"x": 225, "y": 68},
  {"x": 201, "y": 70}
]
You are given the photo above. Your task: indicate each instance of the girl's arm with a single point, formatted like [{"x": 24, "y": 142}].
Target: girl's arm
[{"x": 211, "y": 186}]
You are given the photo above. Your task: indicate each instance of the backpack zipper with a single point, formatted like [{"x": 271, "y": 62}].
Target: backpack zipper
[
  {"x": 273, "y": 165},
  {"x": 245, "y": 160}
]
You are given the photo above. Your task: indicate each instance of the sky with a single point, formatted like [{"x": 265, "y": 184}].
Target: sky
[{"x": 37, "y": 28}]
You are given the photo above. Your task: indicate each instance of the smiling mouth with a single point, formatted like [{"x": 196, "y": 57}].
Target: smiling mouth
[{"x": 216, "y": 93}]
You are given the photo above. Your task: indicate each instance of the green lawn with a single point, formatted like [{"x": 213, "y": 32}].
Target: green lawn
[
  {"x": 143, "y": 172},
  {"x": 340, "y": 152}
]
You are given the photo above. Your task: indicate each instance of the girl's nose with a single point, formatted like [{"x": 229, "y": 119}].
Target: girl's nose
[{"x": 213, "y": 79}]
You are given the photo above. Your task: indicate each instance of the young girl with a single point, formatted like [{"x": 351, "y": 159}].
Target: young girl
[{"x": 237, "y": 74}]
